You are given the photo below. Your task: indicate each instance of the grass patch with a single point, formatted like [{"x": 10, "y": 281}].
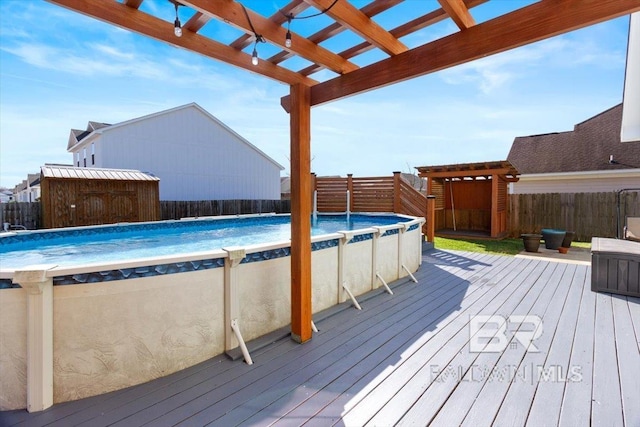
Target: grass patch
[{"x": 503, "y": 247}]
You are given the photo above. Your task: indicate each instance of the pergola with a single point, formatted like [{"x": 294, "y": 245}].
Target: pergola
[
  {"x": 474, "y": 40},
  {"x": 480, "y": 194}
]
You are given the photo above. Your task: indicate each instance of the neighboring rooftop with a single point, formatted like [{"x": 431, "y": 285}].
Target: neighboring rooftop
[{"x": 587, "y": 147}]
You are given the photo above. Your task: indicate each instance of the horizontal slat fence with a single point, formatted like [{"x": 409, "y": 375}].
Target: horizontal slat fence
[
  {"x": 412, "y": 201},
  {"x": 369, "y": 194},
  {"x": 588, "y": 214},
  {"x": 372, "y": 194},
  {"x": 332, "y": 194}
]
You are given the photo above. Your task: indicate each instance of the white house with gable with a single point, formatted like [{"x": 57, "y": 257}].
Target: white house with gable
[{"x": 195, "y": 155}]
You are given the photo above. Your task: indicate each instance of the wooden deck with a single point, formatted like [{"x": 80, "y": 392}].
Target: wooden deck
[{"x": 405, "y": 359}]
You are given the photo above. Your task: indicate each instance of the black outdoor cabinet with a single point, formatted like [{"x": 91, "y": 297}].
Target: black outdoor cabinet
[{"x": 615, "y": 266}]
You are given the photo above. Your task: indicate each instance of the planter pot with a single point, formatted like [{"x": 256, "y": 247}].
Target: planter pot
[
  {"x": 552, "y": 238},
  {"x": 568, "y": 238},
  {"x": 531, "y": 242},
  {"x": 563, "y": 250}
]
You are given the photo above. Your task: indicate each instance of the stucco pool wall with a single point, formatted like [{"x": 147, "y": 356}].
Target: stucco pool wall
[{"x": 118, "y": 325}]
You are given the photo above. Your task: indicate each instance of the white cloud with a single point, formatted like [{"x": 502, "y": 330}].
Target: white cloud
[{"x": 563, "y": 52}]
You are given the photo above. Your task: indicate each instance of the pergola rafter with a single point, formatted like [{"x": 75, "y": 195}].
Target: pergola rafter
[
  {"x": 529, "y": 24},
  {"x": 458, "y": 11},
  {"x": 474, "y": 40},
  {"x": 347, "y": 15},
  {"x": 233, "y": 13}
]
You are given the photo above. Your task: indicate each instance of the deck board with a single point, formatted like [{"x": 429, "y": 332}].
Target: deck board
[
  {"x": 607, "y": 404},
  {"x": 515, "y": 407},
  {"x": 628, "y": 356},
  {"x": 576, "y": 402},
  {"x": 405, "y": 360},
  {"x": 551, "y": 374}
]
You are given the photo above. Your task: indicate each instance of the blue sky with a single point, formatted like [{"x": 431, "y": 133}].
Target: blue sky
[{"x": 59, "y": 69}]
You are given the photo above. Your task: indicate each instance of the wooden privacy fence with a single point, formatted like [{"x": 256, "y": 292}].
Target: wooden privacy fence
[
  {"x": 371, "y": 194},
  {"x": 588, "y": 214},
  {"x": 28, "y": 214},
  {"x": 177, "y": 210}
]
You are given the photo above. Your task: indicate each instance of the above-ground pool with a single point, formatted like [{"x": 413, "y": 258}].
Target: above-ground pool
[
  {"x": 94, "y": 311},
  {"x": 112, "y": 243}
]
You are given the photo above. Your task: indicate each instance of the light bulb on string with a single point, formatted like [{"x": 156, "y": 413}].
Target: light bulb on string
[
  {"x": 254, "y": 56},
  {"x": 177, "y": 27},
  {"x": 287, "y": 41}
]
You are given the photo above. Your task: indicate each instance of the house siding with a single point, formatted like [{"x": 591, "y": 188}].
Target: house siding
[
  {"x": 529, "y": 185},
  {"x": 195, "y": 157}
]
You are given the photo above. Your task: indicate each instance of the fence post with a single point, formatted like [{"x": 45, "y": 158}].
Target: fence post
[
  {"x": 350, "y": 189},
  {"x": 397, "y": 202},
  {"x": 431, "y": 218},
  {"x": 314, "y": 188}
]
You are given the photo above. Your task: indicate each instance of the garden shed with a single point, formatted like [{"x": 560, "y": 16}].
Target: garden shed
[
  {"x": 89, "y": 196},
  {"x": 471, "y": 198}
]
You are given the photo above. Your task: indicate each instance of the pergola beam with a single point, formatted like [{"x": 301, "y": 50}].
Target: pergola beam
[
  {"x": 233, "y": 13},
  {"x": 458, "y": 11},
  {"x": 536, "y": 22},
  {"x": 467, "y": 173},
  {"x": 137, "y": 21},
  {"x": 352, "y": 18}
]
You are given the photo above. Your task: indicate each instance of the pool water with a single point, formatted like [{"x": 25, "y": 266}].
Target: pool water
[{"x": 69, "y": 247}]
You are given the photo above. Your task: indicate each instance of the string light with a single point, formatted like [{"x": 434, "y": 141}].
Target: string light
[
  {"x": 177, "y": 27},
  {"x": 254, "y": 55},
  {"x": 290, "y": 17},
  {"x": 287, "y": 40},
  {"x": 259, "y": 38}
]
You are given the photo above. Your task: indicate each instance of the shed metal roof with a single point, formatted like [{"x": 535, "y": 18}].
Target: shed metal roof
[{"x": 70, "y": 172}]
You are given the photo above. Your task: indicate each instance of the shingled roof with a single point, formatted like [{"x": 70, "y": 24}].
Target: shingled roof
[{"x": 586, "y": 148}]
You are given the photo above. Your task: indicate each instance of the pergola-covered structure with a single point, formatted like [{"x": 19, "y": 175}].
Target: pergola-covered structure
[
  {"x": 470, "y": 198},
  {"x": 398, "y": 62}
]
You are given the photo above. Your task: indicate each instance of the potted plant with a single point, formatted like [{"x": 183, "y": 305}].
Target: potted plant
[
  {"x": 531, "y": 242},
  {"x": 568, "y": 238}
]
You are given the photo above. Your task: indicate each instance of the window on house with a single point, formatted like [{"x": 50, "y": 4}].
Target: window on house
[
  {"x": 84, "y": 156},
  {"x": 78, "y": 159},
  {"x": 93, "y": 154}
]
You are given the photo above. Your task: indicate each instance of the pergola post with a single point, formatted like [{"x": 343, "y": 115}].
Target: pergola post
[
  {"x": 431, "y": 218},
  {"x": 495, "y": 220},
  {"x": 300, "y": 122}
]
